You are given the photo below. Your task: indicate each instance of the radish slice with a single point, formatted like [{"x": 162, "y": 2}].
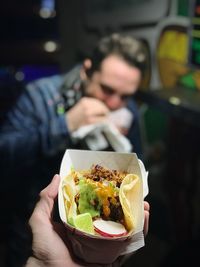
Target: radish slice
[{"x": 109, "y": 228}]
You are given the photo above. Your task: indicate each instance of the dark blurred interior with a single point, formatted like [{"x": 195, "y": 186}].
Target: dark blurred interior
[{"x": 43, "y": 37}]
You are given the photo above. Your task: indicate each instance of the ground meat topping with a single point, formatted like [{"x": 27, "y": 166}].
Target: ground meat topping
[{"x": 99, "y": 173}]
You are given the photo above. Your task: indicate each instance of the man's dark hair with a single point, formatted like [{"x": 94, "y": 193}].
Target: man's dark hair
[{"x": 126, "y": 47}]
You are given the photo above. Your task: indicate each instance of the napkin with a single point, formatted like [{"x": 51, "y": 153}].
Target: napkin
[{"x": 101, "y": 135}]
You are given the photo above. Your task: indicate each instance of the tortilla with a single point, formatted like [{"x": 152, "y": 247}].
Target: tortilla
[
  {"x": 129, "y": 195},
  {"x": 69, "y": 192}
]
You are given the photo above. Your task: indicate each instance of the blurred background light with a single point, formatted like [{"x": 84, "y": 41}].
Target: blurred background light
[
  {"x": 175, "y": 100},
  {"x": 47, "y": 9},
  {"x": 19, "y": 76},
  {"x": 50, "y": 46}
]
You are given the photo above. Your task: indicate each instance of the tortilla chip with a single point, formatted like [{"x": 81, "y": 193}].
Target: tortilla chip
[
  {"x": 130, "y": 195},
  {"x": 69, "y": 192}
]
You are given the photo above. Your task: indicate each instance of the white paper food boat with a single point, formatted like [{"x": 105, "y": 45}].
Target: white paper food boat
[{"x": 90, "y": 248}]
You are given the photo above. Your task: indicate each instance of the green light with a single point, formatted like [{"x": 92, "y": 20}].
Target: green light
[
  {"x": 197, "y": 58},
  {"x": 196, "y": 44}
]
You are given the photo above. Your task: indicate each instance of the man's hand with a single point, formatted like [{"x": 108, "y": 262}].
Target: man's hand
[
  {"x": 48, "y": 247},
  {"x": 87, "y": 111}
]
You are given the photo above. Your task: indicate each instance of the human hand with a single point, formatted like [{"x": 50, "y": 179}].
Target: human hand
[
  {"x": 87, "y": 111},
  {"x": 49, "y": 249},
  {"x": 146, "y": 217}
]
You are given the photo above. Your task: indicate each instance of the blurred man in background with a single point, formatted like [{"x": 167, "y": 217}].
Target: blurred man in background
[{"x": 48, "y": 114}]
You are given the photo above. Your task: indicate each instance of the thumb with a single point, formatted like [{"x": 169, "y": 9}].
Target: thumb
[
  {"x": 51, "y": 190},
  {"x": 44, "y": 207}
]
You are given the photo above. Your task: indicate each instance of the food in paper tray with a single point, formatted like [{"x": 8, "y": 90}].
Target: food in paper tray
[{"x": 99, "y": 201}]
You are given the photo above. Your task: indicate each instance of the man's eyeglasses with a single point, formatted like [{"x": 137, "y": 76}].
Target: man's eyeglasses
[{"x": 107, "y": 90}]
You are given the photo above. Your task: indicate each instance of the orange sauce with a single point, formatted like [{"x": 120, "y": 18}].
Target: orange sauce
[{"x": 106, "y": 194}]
